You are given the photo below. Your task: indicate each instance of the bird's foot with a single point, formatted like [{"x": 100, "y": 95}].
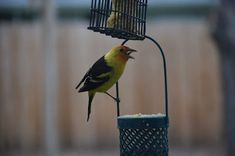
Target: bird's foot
[{"x": 115, "y": 99}]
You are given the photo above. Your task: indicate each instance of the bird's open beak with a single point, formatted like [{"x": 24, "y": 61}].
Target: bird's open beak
[{"x": 129, "y": 52}]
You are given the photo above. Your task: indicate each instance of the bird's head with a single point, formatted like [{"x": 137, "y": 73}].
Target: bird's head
[{"x": 123, "y": 52}]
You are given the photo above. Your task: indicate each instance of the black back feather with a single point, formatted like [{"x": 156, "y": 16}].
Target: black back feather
[{"x": 91, "y": 78}]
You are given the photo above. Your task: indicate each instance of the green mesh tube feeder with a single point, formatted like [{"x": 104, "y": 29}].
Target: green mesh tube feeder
[
  {"x": 143, "y": 135},
  {"x": 140, "y": 135}
]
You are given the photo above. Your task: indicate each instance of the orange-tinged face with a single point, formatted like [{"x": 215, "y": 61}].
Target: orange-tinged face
[{"x": 124, "y": 52}]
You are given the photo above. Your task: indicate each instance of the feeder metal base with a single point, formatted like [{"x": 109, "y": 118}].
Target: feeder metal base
[{"x": 143, "y": 136}]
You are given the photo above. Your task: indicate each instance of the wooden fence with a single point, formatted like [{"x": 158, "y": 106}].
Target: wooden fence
[{"x": 195, "y": 99}]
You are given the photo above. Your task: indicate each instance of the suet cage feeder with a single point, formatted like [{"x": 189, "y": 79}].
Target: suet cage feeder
[
  {"x": 123, "y": 19},
  {"x": 126, "y": 19}
]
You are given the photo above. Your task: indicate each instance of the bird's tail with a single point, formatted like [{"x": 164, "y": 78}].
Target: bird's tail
[{"x": 91, "y": 96}]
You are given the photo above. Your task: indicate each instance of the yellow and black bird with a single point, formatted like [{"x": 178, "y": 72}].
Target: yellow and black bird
[{"x": 105, "y": 73}]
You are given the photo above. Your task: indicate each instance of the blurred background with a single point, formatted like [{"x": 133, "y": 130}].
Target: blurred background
[{"x": 45, "y": 49}]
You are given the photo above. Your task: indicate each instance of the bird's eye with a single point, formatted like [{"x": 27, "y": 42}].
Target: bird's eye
[{"x": 121, "y": 50}]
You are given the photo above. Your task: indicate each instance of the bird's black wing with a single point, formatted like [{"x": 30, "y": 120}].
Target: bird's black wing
[{"x": 93, "y": 78}]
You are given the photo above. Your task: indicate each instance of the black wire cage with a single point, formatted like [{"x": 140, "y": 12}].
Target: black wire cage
[
  {"x": 123, "y": 19},
  {"x": 126, "y": 19}
]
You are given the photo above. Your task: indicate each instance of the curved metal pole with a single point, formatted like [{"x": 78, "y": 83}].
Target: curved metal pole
[
  {"x": 165, "y": 72},
  {"x": 118, "y": 101},
  {"x": 124, "y": 42},
  {"x": 165, "y": 75}
]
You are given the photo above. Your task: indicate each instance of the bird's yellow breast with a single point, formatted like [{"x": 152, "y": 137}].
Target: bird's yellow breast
[{"x": 118, "y": 66}]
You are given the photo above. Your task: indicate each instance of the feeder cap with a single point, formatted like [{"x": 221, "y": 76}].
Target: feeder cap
[{"x": 142, "y": 121}]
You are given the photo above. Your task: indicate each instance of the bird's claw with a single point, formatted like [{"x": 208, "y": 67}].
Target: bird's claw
[{"x": 117, "y": 100}]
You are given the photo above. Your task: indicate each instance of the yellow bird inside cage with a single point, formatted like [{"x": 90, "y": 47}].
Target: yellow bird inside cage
[{"x": 123, "y": 15}]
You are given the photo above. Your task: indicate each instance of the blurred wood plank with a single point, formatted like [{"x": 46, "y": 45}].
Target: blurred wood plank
[{"x": 50, "y": 78}]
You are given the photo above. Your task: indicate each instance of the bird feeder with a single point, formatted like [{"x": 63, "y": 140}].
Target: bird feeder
[
  {"x": 123, "y": 19},
  {"x": 126, "y": 19}
]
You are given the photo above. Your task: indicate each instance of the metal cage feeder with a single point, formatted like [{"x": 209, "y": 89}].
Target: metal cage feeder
[
  {"x": 123, "y": 19},
  {"x": 126, "y": 19}
]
